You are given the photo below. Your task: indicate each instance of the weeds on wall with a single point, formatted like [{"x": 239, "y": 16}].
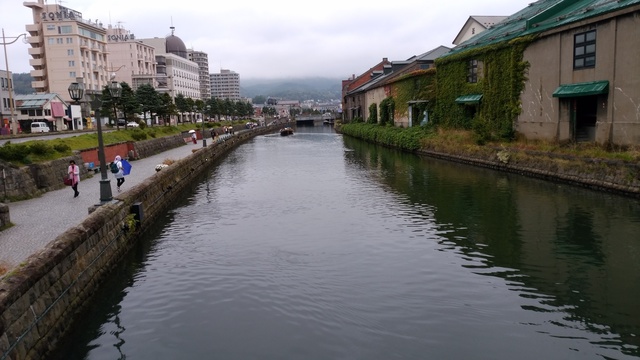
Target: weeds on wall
[
  {"x": 373, "y": 114},
  {"x": 407, "y": 139},
  {"x": 387, "y": 108},
  {"x": 501, "y": 82},
  {"x": 417, "y": 85}
]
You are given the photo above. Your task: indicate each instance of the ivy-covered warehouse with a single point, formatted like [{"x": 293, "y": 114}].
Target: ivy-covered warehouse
[{"x": 559, "y": 70}]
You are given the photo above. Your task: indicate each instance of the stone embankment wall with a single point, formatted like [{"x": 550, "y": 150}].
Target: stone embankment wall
[
  {"x": 40, "y": 299},
  {"x": 618, "y": 176},
  {"x": 36, "y": 179}
]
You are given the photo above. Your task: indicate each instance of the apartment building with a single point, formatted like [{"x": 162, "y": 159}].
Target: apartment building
[
  {"x": 130, "y": 60},
  {"x": 65, "y": 47},
  {"x": 202, "y": 59},
  {"x": 225, "y": 85}
]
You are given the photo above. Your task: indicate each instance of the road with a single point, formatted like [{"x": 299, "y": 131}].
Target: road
[{"x": 48, "y": 136}]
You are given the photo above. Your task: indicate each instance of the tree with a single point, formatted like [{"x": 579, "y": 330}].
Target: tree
[
  {"x": 128, "y": 102},
  {"x": 217, "y": 107},
  {"x": 260, "y": 99},
  {"x": 149, "y": 100},
  {"x": 268, "y": 110},
  {"x": 228, "y": 108},
  {"x": 181, "y": 105},
  {"x": 167, "y": 107},
  {"x": 191, "y": 105},
  {"x": 107, "y": 105},
  {"x": 249, "y": 109}
]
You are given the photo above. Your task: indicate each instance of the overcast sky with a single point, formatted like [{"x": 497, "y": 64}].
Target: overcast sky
[{"x": 278, "y": 38}]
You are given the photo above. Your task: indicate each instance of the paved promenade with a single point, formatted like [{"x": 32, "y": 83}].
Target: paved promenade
[{"x": 40, "y": 220}]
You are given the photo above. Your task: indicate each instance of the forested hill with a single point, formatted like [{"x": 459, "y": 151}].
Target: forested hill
[
  {"x": 321, "y": 89},
  {"x": 22, "y": 84}
]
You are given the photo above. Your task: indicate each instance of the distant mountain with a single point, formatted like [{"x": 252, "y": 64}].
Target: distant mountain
[
  {"x": 313, "y": 88},
  {"x": 322, "y": 89},
  {"x": 22, "y": 84}
]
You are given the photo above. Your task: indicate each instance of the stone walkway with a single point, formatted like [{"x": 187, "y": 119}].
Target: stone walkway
[{"x": 40, "y": 220}]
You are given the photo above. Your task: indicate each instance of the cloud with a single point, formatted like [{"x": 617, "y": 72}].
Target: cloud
[{"x": 279, "y": 38}]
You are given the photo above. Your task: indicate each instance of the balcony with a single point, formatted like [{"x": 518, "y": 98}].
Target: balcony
[
  {"x": 34, "y": 39},
  {"x": 35, "y": 51},
  {"x": 36, "y": 62},
  {"x": 36, "y": 85},
  {"x": 37, "y": 73},
  {"x": 32, "y": 28}
]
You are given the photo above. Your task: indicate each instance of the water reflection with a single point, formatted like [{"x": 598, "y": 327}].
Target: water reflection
[
  {"x": 317, "y": 247},
  {"x": 572, "y": 251}
]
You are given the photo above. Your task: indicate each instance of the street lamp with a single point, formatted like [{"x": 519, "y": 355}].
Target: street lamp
[
  {"x": 14, "y": 128},
  {"x": 115, "y": 90},
  {"x": 204, "y": 139},
  {"x": 76, "y": 92}
]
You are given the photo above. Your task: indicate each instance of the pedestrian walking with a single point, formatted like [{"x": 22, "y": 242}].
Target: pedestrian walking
[
  {"x": 74, "y": 175},
  {"x": 194, "y": 138},
  {"x": 118, "y": 172}
]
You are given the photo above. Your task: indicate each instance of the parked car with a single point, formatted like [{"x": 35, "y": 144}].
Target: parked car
[
  {"x": 39, "y": 127},
  {"x": 133, "y": 124},
  {"x": 122, "y": 122}
]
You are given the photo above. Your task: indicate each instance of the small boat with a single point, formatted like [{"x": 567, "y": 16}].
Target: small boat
[{"x": 286, "y": 131}]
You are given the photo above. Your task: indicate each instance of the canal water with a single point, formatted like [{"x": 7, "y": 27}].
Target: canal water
[{"x": 318, "y": 246}]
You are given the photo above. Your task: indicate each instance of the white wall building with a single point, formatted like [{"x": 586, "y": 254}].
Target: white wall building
[
  {"x": 202, "y": 59},
  {"x": 475, "y": 25},
  {"x": 176, "y": 74},
  {"x": 132, "y": 61},
  {"x": 5, "y": 101},
  {"x": 225, "y": 85}
]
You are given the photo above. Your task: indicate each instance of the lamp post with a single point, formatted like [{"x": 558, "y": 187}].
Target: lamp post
[
  {"x": 12, "y": 122},
  {"x": 204, "y": 140}
]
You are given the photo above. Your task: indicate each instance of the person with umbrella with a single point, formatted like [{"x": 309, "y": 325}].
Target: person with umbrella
[{"x": 194, "y": 138}]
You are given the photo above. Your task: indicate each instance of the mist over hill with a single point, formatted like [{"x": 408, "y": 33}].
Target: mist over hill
[{"x": 314, "y": 88}]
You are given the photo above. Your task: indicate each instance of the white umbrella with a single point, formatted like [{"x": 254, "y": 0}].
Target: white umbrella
[{"x": 191, "y": 131}]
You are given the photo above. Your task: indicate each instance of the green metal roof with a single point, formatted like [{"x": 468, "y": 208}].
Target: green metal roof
[
  {"x": 582, "y": 89},
  {"x": 469, "y": 99},
  {"x": 541, "y": 16}
]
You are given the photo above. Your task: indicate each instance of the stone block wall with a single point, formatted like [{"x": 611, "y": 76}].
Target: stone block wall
[
  {"x": 35, "y": 179},
  {"x": 152, "y": 147},
  {"x": 40, "y": 299}
]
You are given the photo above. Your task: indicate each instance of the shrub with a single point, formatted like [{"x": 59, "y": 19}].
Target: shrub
[
  {"x": 62, "y": 148},
  {"x": 138, "y": 134},
  {"x": 143, "y": 125},
  {"x": 40, "y": 148},
  {"x": 14, "y": 152}
]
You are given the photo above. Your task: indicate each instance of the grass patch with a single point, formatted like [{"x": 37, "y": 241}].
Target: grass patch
[
  {"x": 36, "y": 151},
  {"x": 455, "y": 141}
]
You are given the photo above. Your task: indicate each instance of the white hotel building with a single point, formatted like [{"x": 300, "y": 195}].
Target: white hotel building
[{"x": 176, "y": 74}]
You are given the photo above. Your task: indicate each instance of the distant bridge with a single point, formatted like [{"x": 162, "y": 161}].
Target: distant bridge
[{"x": 314, "y": 119}]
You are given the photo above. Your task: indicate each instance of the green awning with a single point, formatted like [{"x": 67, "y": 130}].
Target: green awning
[
  {"x": 469, "y": 99},
  {"x": 582, "y": 89}
]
